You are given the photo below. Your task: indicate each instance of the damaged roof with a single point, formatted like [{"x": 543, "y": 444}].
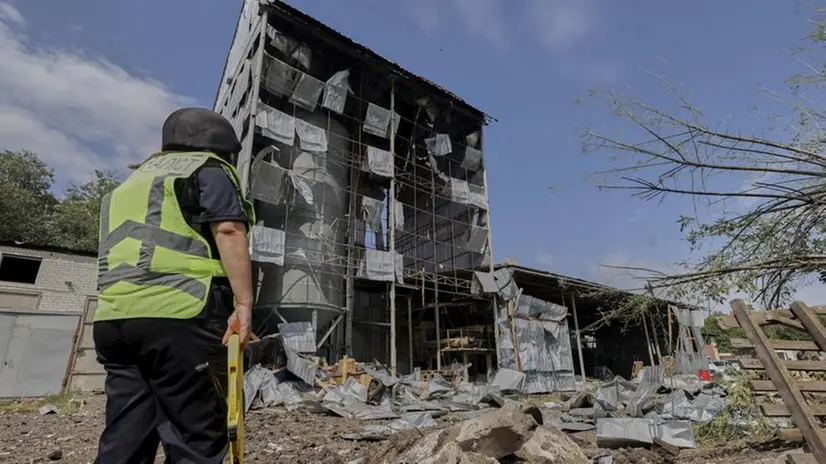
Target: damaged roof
[
  {"x": 350, "y": 46},
  {"x": 549, "y": 285}
]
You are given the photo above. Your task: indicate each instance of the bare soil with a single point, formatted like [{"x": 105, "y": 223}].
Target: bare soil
[{"x": 278, "y": 436}]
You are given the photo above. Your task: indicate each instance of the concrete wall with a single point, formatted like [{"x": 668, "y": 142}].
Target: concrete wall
[{"x": 56, "y": 269}]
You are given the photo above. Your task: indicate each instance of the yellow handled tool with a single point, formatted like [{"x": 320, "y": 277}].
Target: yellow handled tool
[{"x": 235, "y": 399}]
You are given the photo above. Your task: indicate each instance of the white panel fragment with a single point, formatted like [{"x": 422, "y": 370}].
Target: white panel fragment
[
  {"x": 307, "y": 91},
  {"x": 477, "y": 196},
  {"x": 378, "y": 162},
  {"x": 472, "y": 139},
  {"x": 477, "y": 239},
  {"x": 269, "y": 184},
  {"x": 268, "y": 245},
  {"x": 303, "y": 55},
  {"x": 312, "y": 138},
  {"x": 335, "y": 91},
  {"x": 377, "y": 265},
  {"x": 439, "y": 145},
  {"x": 399, "y": 215},
  {"x": 377, "y": 121},
  {"x": 371, "y": 212},
  {"x": 302, "y": 186},
  {"x": 275, "y": 124},
  {"x": 457, "y": 190},
  {"x": 280, "y": 77},
  {"x": 472, "y": 160}
]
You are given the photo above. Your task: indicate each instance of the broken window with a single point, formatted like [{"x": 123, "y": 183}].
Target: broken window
[{"x": 19, "y": 269}]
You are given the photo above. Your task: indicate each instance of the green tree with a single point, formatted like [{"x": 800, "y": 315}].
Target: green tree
[
  {"x": 26, "y": 202},
  {"x": 758, "y": 222},
  {"x": 77, "y": 215}
]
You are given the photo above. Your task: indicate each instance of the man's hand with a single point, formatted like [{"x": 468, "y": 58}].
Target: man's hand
[{"x": 239, "y": 323}]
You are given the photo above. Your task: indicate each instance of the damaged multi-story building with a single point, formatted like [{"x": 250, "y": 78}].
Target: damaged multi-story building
[
  {"x": 370, "y": 189},
  {"x": 373, "y": 237}
]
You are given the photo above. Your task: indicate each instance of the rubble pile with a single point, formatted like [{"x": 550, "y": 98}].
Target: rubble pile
[
  {"x": 656, "y": 408},
  {"x": 498, "y": 420}
]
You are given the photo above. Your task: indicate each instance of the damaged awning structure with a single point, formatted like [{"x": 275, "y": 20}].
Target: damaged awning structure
[{"x": 533, "y": 338}]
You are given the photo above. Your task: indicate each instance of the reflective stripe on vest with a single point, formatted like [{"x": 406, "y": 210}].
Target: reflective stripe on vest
[
  {"x": 179, "y": 289},
  {"x": 150, "y": 235}
]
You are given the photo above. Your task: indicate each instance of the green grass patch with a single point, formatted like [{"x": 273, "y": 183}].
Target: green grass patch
[
  {"x": 65, "y": 403},
  {"x": 739, "y": 419}
]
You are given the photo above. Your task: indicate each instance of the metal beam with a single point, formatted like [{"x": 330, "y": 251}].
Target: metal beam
[
  {"x": 391, "y": 202},
  {"x": 578, "y": 342},
  {"x": 329, "y": 332}
]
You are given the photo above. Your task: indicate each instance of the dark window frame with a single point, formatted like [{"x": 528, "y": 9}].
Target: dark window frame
[{"x": 30, "y": 280}]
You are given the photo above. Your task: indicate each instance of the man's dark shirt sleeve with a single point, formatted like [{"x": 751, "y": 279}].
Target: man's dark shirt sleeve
[{"x": 218, "y": 199}]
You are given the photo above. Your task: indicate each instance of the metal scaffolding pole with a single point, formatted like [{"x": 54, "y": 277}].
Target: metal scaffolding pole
[
  {"x": 410, "y": 333},
  {"x": 391, "y": 201}
]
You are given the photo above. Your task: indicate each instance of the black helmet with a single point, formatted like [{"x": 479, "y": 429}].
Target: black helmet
[{"x": 199, "y": 129}]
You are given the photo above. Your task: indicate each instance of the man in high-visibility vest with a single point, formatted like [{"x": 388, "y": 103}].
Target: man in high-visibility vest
[{"x": 174, "y": 277}]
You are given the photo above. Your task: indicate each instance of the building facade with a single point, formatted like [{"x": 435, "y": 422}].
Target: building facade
[
  {"x": 370, "y": 190},
  {"x": 43, "y": 279}
]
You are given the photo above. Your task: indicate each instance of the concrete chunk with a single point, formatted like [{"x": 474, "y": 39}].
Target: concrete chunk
[
  {"x": 548, "y": 445},
  {"x": 497, "y": 433}
]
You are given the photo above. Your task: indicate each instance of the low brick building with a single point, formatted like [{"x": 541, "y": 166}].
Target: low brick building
[
  {"x": 46, "y": 279},
  {"x": 47, "y": 301}
]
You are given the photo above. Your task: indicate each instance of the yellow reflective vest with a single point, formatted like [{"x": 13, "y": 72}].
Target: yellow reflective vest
[{"x": 151, "y": 263}]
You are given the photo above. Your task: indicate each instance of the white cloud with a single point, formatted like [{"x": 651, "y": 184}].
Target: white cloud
[
  {"x": 547, "y": 260},
  {"x": 78, "y": 113},
  {"x": 483, "y": 18},
  {"x": 425, "y": 13},
  {"x": 558, "y": 23},
  {"x": 621, "y": 270},
  {"x": 10, "y": 14},
  {"x": 480, "y": 18}
]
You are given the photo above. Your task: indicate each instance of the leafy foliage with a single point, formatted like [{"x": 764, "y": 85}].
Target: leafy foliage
[
  {"x": 739, "y": 418},
  {"x": 759, "y": 199},
  {"x": 26, "y": 203},
  {"x": 77, "y": 214},
  {"x": 31, "y": 213},
  {"x": 722, "y": 337}
]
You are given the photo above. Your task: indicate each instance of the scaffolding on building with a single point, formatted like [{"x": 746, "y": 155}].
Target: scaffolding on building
[{"x": 369, "y": 184}]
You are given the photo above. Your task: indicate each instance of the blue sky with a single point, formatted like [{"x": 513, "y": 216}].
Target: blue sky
[{"x": 124, "y": 65}]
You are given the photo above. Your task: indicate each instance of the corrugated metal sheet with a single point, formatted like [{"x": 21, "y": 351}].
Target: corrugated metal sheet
[
  {"x": 34, "y": 352},
  {"x": 86, "y": 374}
]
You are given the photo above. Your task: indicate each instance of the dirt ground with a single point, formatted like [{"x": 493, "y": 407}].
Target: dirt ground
[{"x": 275, "y": 436}]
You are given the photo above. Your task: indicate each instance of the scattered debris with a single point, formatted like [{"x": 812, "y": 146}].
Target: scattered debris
[{"x": 48, "y": 409}]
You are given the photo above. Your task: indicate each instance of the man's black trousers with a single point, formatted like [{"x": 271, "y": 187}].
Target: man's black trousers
[{"x": 165, "y": 383}]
